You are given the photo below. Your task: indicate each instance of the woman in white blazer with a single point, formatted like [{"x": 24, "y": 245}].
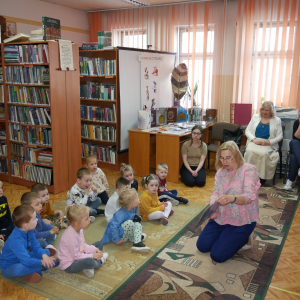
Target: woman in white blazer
[{"x": 263, "y": 134}]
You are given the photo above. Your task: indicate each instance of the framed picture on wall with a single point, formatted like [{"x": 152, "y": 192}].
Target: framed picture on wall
[{"x": 11, "y": 28}]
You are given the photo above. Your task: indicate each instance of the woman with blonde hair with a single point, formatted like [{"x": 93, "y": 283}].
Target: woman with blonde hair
[
  {"x": 264, "y": 132},
  {"x": 236, "y": 191}
]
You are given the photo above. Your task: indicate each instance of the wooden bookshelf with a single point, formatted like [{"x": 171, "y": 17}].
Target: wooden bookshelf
[
  {"x": 65, "y": 127},
  {"x": 103, "y": 79}
]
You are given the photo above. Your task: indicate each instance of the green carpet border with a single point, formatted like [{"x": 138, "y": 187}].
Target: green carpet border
[
  {"x": 153, "y": 256},
  {"x": 260, "y": 297}
]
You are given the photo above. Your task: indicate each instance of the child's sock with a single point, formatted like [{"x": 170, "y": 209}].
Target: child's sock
[
  {"x": 34, "y": 278},
  {"x": 104, "y": 257},
  {"x": 46, "y": 268}
]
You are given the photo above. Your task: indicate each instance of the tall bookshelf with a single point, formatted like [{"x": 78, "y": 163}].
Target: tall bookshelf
[
  {"x": 107, "y": 79},
  {"x": 65, "y": 129}
]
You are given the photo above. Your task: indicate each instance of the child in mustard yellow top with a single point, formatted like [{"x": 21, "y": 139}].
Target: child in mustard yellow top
[{"x": 151, "y": 208}]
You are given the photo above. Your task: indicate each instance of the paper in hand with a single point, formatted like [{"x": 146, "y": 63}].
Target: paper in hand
[{"x": 208, "y": 212}]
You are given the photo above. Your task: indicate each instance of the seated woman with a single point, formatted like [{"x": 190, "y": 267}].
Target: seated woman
[
  {"x": 193, "y": 155},
  {"x": 263, "y": 134},
  {"x": 295, "y": 156},
  {"x": 236, "y": 191}
]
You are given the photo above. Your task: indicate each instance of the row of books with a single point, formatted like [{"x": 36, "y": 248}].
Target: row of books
[
  {"x": 28, "y": 95},
  {"x": 105, "y": 154},
  {"x": 2, "y": 134},
  {"x": 2, "y": 112},
  {"x": 97, "y": 66},
  {"x": 98, "y": 132},
  {"x": 89, "y": 46},
  {"x": 29, "y": 115},
  {"x": 3, "y": 165},
  {"x": 98, "y": 114},
  {"x": 38, "y": 174},
  {"x": 1, "y": 74},
  {"x": 194, "y": 114},
  {"x": 27, "y": 75},
  {"x": 97, "y": 90},
  {"x": 3, "y": 148},
  {"x": 26, "y": 54},
  {"x": 1, "y": 93},
  {"x": 30, "y": 135},
  {"x": 16, "y": 168}
]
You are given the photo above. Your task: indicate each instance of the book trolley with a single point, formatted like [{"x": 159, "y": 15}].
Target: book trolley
[{"x": 41, "y": 105}]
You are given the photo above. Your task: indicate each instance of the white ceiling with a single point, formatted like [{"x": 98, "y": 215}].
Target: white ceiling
[{"x": 105, "y": 4}]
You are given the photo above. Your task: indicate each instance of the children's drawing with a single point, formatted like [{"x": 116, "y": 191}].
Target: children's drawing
[
  {"x": 153, "y": 103},
  {"x": 154, "y": 87},
  {"x": 146, "y": 75},
  {"x": 147, "y": 93},
  {"x": 145, "y": 107},
  {"x": 155, "y": 71}
]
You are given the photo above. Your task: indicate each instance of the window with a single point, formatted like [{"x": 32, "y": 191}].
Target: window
[
  {"x": 185, "y": 54},
  {"x": 136, "y": 38}
]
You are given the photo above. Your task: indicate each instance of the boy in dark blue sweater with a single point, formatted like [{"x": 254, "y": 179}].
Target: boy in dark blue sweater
[
  {"x": 6, "y": 223},
  {"x": 22, "y": 255},
  {"x": 44, "y": 233}
]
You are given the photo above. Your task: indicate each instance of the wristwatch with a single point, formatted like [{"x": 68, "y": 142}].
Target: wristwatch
[{"x": 234, "y": 199}]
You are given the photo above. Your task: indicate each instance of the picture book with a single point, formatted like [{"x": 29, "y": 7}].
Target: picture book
[
  {"x": 211, "y": 115},
  {"x": 144, "y": 119},
  {"x": 240, "y": 113},
  {"x": 51, "y": 29},
  {"x": 172, "y": 115},
  {"x": 161, "y": 116},
  {"x": 181, "y": 114}
]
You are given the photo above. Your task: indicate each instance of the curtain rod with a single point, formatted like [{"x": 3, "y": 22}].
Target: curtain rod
[{"x": 163, "y": 4}]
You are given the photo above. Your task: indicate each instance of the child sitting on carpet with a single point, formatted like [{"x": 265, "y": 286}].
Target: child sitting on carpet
[
  {"x": 48, "y": 215},
  {"x": 127, "y": 172},
  {"x": 74, "y": 254},
  {"x": 99, "y": 181},
  {"x": 82, "y": 193},
  {"x": 151, "y": 208},
  {"x": 125, "y": 224},
  {"x": 112, "y": 205},
  {"x": 44, "y": 233},
  {"x": 16, "y": 259}
]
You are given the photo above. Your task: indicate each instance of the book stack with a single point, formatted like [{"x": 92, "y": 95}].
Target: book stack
[
  {"x": 28, "y": 115},
  {"x": 11, "y": 54},
  {"x": 105, "y": 40},
  {"x": 3, "y": 165},
  {"x": 45, "y": 158},
  {"x": 3, "y": 148},
  {"x": 28, "y": 95},
  {"x": 105, "y": 154},
  {"x": 98, "y": 91},
  {"x": 2, "y": 134},
  {"x": 2, "y": 112},
  {"x": 98, "y": 114},
  {"x": 98, "y": 132},
  {"x": 26, "y": 75},
  {"x": 97, "y": 66},
  {"x": 38, "y": 174},
  {"x": 36, "y": 35},
  {"x": 89, "y": 46}
]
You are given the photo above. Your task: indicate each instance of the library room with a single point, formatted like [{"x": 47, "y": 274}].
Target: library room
[{"x": 133, "y": 132}]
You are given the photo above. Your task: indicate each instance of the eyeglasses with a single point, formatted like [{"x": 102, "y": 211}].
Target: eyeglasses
[
  {"x": 226, "y": 159},
  {"x": 196, "y": 133}
]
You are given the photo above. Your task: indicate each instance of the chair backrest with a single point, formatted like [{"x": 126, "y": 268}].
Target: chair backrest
[{"x": 217, "y": 130}]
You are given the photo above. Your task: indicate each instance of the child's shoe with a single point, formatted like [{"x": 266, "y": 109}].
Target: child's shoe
[
  {"x": 171, "y": 212},
  {"x": 164, "y": 221},
  {"x": 34, "y": 278},
  {"x": 92, "y": 218},
  {"x": 289, "y": 185},
  {"x": 104, "y": 258},
  {"x": 183, "y": 200},
  {"x": 52, "y": 249},
  {"x": 140, "y": 247},
  {"x": 100, "y": 212},
  {"x": 89, "y": 273}
]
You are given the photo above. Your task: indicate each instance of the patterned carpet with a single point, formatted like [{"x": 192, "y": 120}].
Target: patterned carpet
[
  {"x": 179, "y": 271},
  {"x": 122, "y": 262}
]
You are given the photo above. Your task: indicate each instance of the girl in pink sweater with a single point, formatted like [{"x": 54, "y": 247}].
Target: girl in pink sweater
[{"x": 74, "y": 254}]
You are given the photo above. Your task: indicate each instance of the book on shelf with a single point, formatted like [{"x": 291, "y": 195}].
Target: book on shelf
[
  {"x": 240, "y": 113},
  {"x": 26, "y": 54},
  {"x": 51, "y": 29},
  {"x": 1, "y": 74},
  {"x": 99, "y": 132},
  {"x": 20, "y": 37},
  {"x": 2, "y": 112},
  {"x": 97, "y": 66},
  {"x": 16, "y": 168},
  {"x": 98, "y": 114},
  {"x": 102, "y": 153},
  {"x": 38, "y": 174},
  {"x": 98, "y": 91},
  {"x": 3, "y": 148},
  {"x": 89, "y": 46},
  {"x": 2, "y": 134},
  {"x": 28, "y": 95},
  {"x": 38, "y": 31},
  {"x": 104, "y": 40},
  {"x": 26, "y": 74},
  {"x": 35, "y": 38},
  {"x": 45, "y": 158},
  {"x": 1, "y": 93},
  {"x": 3, "y": 165}
]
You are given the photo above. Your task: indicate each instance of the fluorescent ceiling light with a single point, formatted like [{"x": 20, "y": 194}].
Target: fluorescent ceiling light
[{"x": 136, "y": 3}]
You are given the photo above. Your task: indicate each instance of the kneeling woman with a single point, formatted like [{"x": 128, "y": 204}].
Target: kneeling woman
[{"x": 236, "y": 190}]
